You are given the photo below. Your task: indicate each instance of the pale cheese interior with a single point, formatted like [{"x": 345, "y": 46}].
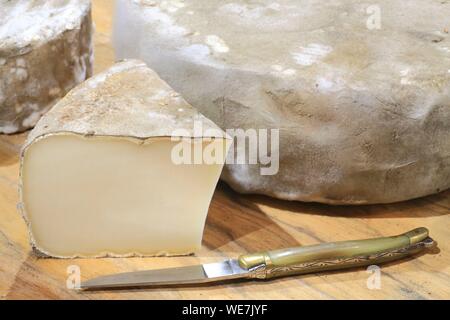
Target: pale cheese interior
[{"x": 92, "y": 196}]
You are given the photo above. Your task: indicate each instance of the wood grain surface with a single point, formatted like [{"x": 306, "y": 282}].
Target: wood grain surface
[{"x": 236, "y": 224}]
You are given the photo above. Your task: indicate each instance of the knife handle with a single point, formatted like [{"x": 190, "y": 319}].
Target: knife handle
[{"x": 334, "y": 255}]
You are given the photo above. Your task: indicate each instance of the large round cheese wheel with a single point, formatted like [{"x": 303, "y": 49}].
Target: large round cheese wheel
[
  {"x": 360, "y": 92},
  {"x": 45, "y": 50}
]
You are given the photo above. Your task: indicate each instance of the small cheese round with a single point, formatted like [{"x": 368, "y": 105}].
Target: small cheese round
[{"x": 45, "y": 50}]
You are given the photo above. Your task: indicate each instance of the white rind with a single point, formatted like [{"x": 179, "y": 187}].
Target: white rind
[
  {"x": 127, "y": 100},
  {"x": 363, "y": 113},
  {"x": 45, "y": 50}
]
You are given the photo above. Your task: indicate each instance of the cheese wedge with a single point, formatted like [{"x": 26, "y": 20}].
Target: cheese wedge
[{"x": 122, "y": 166}]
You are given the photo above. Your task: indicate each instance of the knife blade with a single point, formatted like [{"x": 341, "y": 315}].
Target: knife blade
[
  {"x": 277, "y": 263},
  {"x": 197, "y": 274}
]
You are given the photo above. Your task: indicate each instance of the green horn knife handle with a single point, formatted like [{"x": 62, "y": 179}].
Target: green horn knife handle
[{"x": 334, "y": 255}]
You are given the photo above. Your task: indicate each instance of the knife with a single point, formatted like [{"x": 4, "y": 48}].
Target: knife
[{"x": 277, "y": 263}]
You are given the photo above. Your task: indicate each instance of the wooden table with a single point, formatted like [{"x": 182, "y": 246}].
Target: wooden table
[{"x": 236, "y": 224}]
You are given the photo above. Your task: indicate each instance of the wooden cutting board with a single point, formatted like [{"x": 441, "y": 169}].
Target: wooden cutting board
[{"x": 236, "y": 224}]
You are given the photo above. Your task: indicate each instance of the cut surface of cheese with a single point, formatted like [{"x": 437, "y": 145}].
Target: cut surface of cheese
[
  {"x": 359, "y": 92},
  {"x": 103, "y": 180},
  {"x": 45, "y": 50},
  {"x": 90, "y": 196}
]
